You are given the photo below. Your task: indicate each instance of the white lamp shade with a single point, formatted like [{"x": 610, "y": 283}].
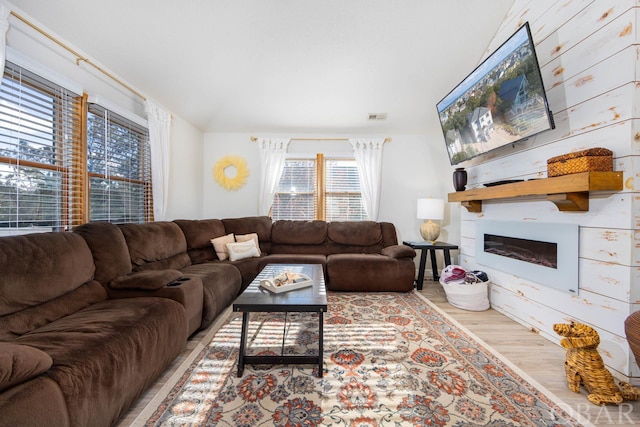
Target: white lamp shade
[{"x": 430, "y": 209}]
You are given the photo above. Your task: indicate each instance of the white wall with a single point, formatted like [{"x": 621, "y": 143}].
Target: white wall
[
  {"x": 588, "y": 56},
  {"x": 218, "y": 202},
  {"x": 414, "y": 166},
  {"x": 186, "y": 178},
  {"x": 51, "y": 61},
  {"x": 34, "y": 46}
]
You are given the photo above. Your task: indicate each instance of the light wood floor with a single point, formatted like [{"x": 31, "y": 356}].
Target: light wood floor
[{"x": 540, "y": 359}]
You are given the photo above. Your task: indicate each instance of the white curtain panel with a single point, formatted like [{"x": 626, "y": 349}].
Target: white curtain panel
[
  {"x": 273, "y": 153},
  {"x": 4, "y": 27},
  {"x": 368, "y": 154},
  {"x": 159, "y": 139}
]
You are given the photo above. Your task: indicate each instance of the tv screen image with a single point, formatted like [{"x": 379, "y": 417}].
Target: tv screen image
[{"x": 501, "y": 102}]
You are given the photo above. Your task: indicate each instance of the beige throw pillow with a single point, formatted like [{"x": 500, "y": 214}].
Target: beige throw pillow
[
  {"x": 220, "y": 245},
  {"x": 247, "y": 237},
  {"x": 241, "y": 250}
]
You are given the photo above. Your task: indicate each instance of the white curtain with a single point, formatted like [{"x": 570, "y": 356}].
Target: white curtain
[
  {"x": 368, "y": 154},
  {"x": 273, "y": 153},
  {"x": 4, "y": 27},
  {"x": 159, "y": 139}
]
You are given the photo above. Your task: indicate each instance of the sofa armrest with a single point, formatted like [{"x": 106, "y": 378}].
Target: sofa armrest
[
  {"x": 21, "y": 363},
  {"x": 145, "y": 280},
  {"x": 399, "y": 251},
  {"x": 185, "y": 290}
]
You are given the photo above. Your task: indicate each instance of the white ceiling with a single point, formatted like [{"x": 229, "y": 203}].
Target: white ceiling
[{"x": 282, "y": 66}]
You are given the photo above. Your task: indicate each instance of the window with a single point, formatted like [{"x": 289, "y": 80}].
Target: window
[
  {"x": 50, "y": 180},
  {"x": 319, "y": 188},
  {"x": 342, "y": 194},
  {"x": 119, "y": 168},
  {"x": 296, "y": 194},
  {"x": 39, "y": 155}
]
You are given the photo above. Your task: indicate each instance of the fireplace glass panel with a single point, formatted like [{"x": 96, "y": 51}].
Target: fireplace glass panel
[{"x": 533, "y": 251}]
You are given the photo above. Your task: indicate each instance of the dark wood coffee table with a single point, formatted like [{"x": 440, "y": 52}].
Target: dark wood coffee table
[{"x": 257, "y": 299}]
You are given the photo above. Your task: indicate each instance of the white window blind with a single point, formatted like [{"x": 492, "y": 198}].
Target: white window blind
[
  {"x": 295, "y": 197},
  {"x": 39, "y": 153},
  {"x": 342, "y": 194},
  {"x": 319, "y": 188},
  {"x": 119, "y": 168}
]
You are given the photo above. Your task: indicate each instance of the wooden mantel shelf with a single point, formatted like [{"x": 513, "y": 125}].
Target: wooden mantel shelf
[{"x": 569, "y": 192}]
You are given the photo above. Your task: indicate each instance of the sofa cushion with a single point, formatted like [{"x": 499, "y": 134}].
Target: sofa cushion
[
  {"x": 175, "y": 262},
  {"x": 369, "y": 273},
  {"x": 108, "y": 247},
  {"x": 20, "y": 363},
  {"x": 145, "y": 280},
  {"x": 249, "y": 269},
  {"x": 198, "y": 233},
  {"x": 156, "y": 246},
  {"x": 36, "y": 268},
  {"x": 24, "y": 321},
  {"x": 102, "y": 366},
  {"x": 355, "y": 233},
  {"x": 253, "y": 224},
  {"x": 290, "y": 232},
  {"x": 389, "y": 234},
  {"x": 221, "y": 283},
  {"x": 33, "y": 403}
]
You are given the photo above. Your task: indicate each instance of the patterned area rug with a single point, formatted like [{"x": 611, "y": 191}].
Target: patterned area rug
[{"x": 391, "y": 359}]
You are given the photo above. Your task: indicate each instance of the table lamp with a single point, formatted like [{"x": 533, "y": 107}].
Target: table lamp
[{"x": 430, "y": 210}]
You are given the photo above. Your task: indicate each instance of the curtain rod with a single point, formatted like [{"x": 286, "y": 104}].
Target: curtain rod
[
  {"x": 254, "y": 139},
  {"x": 78, "y": 56}
]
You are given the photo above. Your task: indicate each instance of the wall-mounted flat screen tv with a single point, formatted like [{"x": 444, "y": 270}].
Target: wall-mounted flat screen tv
[{"x": 501, "y": 102}]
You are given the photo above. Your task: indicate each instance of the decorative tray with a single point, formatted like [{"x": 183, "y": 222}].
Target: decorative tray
[{"x": 286, "y": 282}]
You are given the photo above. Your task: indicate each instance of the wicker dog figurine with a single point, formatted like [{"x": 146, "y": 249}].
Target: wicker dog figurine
[{"x": 584, "y": 365}]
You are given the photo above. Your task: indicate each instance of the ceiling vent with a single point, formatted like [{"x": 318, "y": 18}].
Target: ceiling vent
[{"x": 377, "y": 116}]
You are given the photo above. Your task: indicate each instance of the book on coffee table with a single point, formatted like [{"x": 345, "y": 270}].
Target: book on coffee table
[{"x": 286, "y": 281}]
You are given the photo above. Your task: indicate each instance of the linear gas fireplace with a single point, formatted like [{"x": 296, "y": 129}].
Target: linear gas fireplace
[{"x": 545, "y": 253}]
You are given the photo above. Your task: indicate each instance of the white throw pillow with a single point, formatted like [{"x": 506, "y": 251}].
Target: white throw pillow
[
  {"x": 241, "y": 250},
  {"x": 247, "y": 237},
  {"x": 220, "y": 245}
]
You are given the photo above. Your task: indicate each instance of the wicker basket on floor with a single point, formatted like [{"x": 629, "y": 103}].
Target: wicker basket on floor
[{"x": 591, "y": 160}]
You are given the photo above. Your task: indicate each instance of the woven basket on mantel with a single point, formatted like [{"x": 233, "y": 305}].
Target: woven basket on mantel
[{"x": 593, "y": 159}]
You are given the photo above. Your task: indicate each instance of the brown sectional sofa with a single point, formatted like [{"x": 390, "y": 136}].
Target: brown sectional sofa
[
  {"x": 69, "y": 355},
  {"x": 90, "y": 318}
]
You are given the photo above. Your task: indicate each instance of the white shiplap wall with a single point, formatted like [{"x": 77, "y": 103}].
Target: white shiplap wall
[{"x": 588, "y": 54}]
